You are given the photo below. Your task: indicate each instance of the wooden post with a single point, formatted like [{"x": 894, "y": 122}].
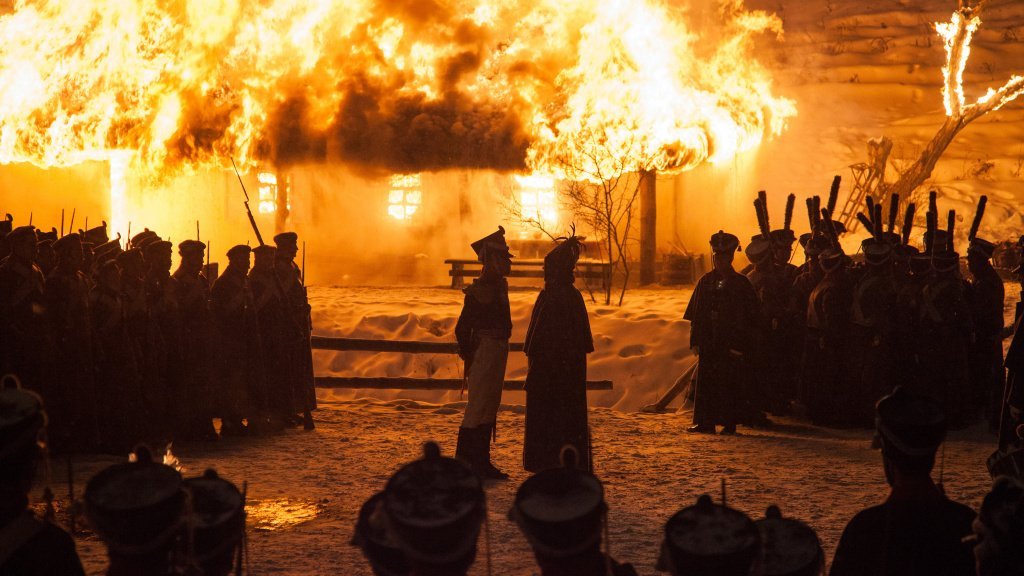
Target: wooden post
[{"x": 648, "y": 226}]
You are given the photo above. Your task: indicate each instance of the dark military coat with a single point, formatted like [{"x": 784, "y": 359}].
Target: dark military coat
[
  {"x": 985, "y": 296},
  {"x": 723, "y": 314},
  {"x": 194, "y": 395},
  {"x": 871, "y": 345},
  {"x": 297, "y": 302},
  {"x": 71, "y": 399},
  {"x": 825, "y": 366},
  {"x": 946, "y": 329},
  {"x": 279, "y": 336},
  {"x": 24, "y": 338},
  {"x": 238, "y": 366}
]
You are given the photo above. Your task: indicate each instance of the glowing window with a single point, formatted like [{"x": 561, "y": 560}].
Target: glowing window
[
  {"x": 538, "y": 200},
  {"x": 405, "y": 197},
  {"x": 267, "y": 192}
]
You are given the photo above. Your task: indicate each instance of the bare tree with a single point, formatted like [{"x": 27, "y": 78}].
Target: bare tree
[{"x": 957, "y": 34}]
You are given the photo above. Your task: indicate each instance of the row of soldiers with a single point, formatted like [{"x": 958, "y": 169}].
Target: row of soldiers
[
  {"x": 826, "y": 338},
  {"x": 125, "y": 350},
  {"x": 431, "y": 516}
]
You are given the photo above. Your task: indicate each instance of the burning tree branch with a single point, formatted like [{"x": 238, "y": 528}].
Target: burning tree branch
[{"x": 957, "y": 35}]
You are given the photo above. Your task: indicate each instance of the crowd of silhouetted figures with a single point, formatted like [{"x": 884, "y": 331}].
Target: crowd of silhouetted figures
[
  {"x": 430, "y": 518},
  {"x": 825, "y": 339},
  {"x": 126, "y": 350}
]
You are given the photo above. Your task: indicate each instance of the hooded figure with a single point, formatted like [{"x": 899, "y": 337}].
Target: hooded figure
[{"x": 557, "y": 343}]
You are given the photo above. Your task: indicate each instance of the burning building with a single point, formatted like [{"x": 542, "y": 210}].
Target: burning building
[{"x": 385, "y": 132}]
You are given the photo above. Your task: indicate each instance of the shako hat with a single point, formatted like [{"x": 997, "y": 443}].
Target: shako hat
[
  {"x": 783, "y": 237},
  {"x": 920, "y": 263},
  {"x": 560, "y": 510},
  {"x": 724, "y": 243},
  {"x": 758, "y": 249},
  {"x": 913, "y": 424},
  {"x": 709, "y": 538},
  {"x": 981, "y": 247},
  {"x": 156, "y": 248},
  {"x": 109, "y": 251},
  {"x": 945, "y": 261},
  {"x": 21, "y": 419},
  {"x": 434, "y": 508},
  {"x": 51, "y": 235},
  {"x": 999, "y": 529},
  {"x": 830, "y": 258},
  {"x": 136, "y": 507},
  {"x": 371, "y": 536},
  {"x": 67, "y": 243},
  {"x": 218, "y": 515},
  {"x": 95, "y": 236},
  {"x": 893, "y": 238},
  {"x": 191, "y": 248},
  {"x": 286, "y": 239},
  {"x": 138, "y": 240},
  {"x": 492, "y": 243},
  {"x": 788, "y": 547},
  {"x": 876, "y": 251},
  {"x": 6, "y": 225},
  {"x": 131, "y": 260},
  {"x": 936, "y": 241},
  {"x": 22, "y": 233},
  {"x": 239, "y": 251},
  {"x": 264, "y": 251}
]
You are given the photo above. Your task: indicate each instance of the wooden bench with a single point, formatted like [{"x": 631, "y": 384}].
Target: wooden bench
[
  {"x": 526, "y": 268},
  {"x": 404, "y": 383}
]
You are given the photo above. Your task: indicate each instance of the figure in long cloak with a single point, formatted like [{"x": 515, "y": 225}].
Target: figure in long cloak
[{"x": 557, "y": 343}]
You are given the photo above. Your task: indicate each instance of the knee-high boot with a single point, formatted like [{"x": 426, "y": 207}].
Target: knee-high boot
[{"x": 487, "y": 469}]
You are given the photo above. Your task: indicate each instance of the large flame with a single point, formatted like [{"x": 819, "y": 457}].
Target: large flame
[{"x": 395, "y": 86}]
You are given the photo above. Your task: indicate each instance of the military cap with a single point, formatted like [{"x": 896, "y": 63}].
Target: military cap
[
  {"x": 131, "y": 259},
  {"x": 218, "y": 517},
  {"x": 724, "y": 243},
  {"x": 157, "y": 247},
  {"x": 876, "y": 251},
  {"x": 831, "y": 258},
  {"x": 788, "y": 547},
  {"x": 758, "y": 249},
  {"x": 435, "y": 507},
  {"x": 68, "y": 242},
  {"x": 999, "y": 529},
  {"x": 945, "y": 261},
  {"x": 783, "y": 237},
  {"x": 21, "y": 419},
  {"x": 709, "y": 538},
  {"x": 191, "y": 247},
  {"x": 805, "y": 238},
  {"x": 113, "y": 246},
  {"x": 937, "y": 241},
  {"x": 492, "y": 243},
  {"x": 22, "y": 233},
  {"x": 141, "y": 237},
  {"x": 372, "y": 537},
  {"x": 51, "y": 235},
  {"x": 913, "y": 424},
  {"x": 146, "y": 241},
  {"x": 95, "y": 236},
  {"x": 136, "y": 507},
  {"x": 286, "y": 238},
  {"x": 264, "y": 251},
  {"x": 982, "y": 248},
  {"x": 6, "y": 225},
  {"x": 560, "y": 510},
  {"x": 240, "y": 251}
]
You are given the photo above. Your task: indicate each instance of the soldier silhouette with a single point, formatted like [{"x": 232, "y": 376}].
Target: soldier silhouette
[
  {"x": 434, "y": 509},
  {"x": 709, "y": 539},
  {"x": 562, "y": 513},
  {"x": 165, "y": 352},
  {"x": 24, "y": 338},
  {"x": 482, "y": 331},
  {"x": 29, "y": 546},
  {"x": 218, "y": 525},
  {"x": 238, "y": 363},
  {"x": 917, "y": 530},
  {"x": 139, "y": 511},
  {"x": 371, "y": 537},
  {"x": 999, "y": 530},
  {"x": 557, "y": 343},
  {"x": 194, "y": 393},
  {"x": 985, "y": 297},
  {"x": 723, "y": 315},
  {"x": 788, "y": 547},
  {"x": 276, "y": 333},
  {"x": 294, "y": 296}
]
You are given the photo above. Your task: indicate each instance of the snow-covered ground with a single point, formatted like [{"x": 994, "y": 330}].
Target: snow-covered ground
[{"x": 305, "y": 488}]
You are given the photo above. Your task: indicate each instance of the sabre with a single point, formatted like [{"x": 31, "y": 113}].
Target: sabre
[{"x": 248, "y": 211}]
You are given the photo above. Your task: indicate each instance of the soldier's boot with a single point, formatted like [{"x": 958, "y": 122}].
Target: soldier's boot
[
  {"x": 487, "y": 469},
  {"x": 307, "y": 421},
  {"x": 464, "y": 447}
]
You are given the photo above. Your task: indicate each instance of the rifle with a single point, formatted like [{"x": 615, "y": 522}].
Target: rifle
[{"x": 248, "y": 211}]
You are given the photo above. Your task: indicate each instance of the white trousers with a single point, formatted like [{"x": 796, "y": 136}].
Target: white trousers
[{"x": 485, "y": 376}]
